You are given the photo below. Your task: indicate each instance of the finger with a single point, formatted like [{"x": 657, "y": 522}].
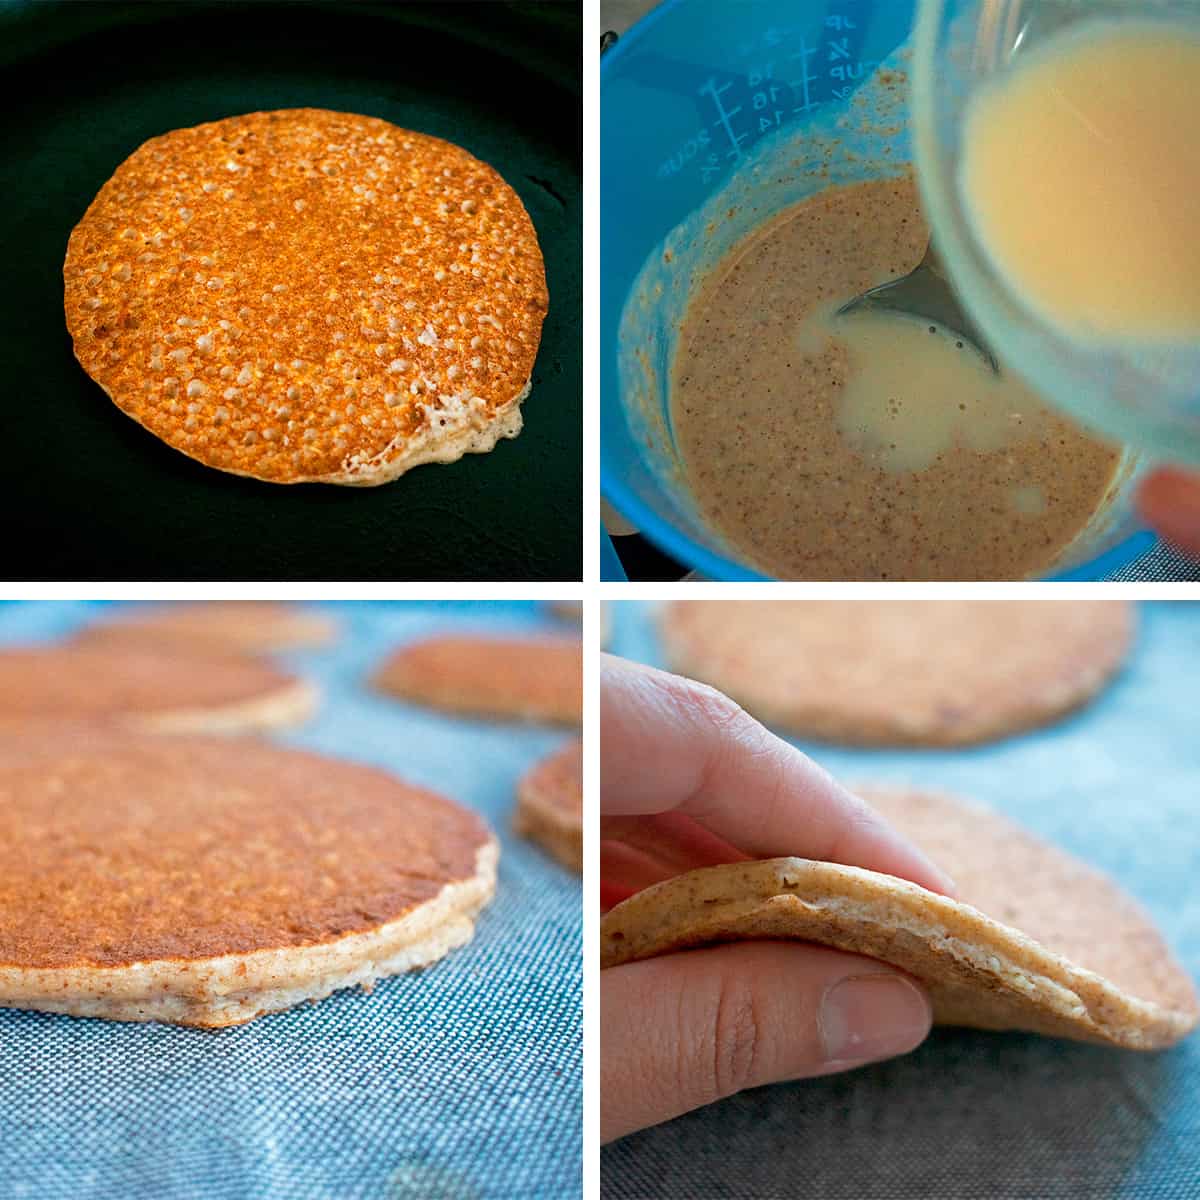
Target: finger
[
  {"x": 668, "y": 743},
  {"x": 1169, "y": 499},
  {"x": 624, "y": 871},
  {"x": 674, "y": 839},
  {"x": 686, "y": 1029},
  {"x": 636, "y": 852}
]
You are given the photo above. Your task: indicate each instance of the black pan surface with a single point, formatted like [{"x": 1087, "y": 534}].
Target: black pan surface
[{"x": 86, "y": 493}]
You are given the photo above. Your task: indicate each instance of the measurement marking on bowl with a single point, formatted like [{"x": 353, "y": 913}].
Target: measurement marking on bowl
[
  {"x": 725, "y": 117},
  {"x": 806, "y": 77},
  {"x": 785, "y": 77}
]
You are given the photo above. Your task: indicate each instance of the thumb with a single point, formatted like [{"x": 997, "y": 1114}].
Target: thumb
[
  {"x": 1169, "y": 500},
  {"x": 686, "y": 1029}
]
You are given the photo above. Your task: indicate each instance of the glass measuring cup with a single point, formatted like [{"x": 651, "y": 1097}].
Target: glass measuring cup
[
  {"x": 1146, "y": 396},
  {"x": 688, "y": 97}
]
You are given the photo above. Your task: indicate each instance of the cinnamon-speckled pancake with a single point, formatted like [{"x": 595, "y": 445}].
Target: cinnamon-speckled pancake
[
  {"x": 253, "y": 626},
  {"x": 531, "y": 678},
  {"x": 176, "y": 688},
  {"x": 550, "y": 804},
  {"x": 309, "y": 295},
  {"x": 204, "y": 882},
  {"x": 1035, "y": 940},
  {"x": 937, "y": 673}
]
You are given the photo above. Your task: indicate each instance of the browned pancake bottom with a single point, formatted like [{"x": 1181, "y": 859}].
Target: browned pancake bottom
[{"x": 117, "y": 847}]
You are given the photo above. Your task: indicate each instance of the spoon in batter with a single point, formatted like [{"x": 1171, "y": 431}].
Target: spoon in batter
[{"x": 925, "y": 292}]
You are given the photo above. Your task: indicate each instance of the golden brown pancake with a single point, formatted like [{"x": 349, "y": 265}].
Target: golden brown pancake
[
  {"x": 204, "y": 882},
  {"x": 529, "y": 678},
  {"x": 309, "y": 295},
  {"x": 550, "y": 805},
  {"x": 1035, "y": 941},
  {"x": 936, "y": 673},
  {"x": 252, "y": 626},
  {"x": 174, "y": 689}
]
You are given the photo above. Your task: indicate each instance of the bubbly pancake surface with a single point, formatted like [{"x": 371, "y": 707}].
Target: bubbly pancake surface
[
  {"x": 118, "y": 848},
  {"x": 945, "y": 672},
  {"x": 309, "y": 295}
]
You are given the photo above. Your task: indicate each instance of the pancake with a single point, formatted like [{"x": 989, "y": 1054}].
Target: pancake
[
  {"x": 890, "y": 672},
  {"x": 1036, "y": 940},
  {"x": 307, "y": 295},
  {"x": 550, "y": 805},
  {"x": 529, "y": 678},
  {"x": 251, "y": 626},
  {"x": 206, "y": 882},
  {"x": 176, "y": 689}
]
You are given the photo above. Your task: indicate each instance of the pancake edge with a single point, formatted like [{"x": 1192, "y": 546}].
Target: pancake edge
[
  {"x": 549, "y": 827},
  {"x": 289, "y": 705},
  {"x": 449, "y": 446},
  {"x": 231, "y": 989}
]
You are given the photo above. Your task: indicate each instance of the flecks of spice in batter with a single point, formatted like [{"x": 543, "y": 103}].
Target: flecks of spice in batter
[{"x": 796, "y": 465}]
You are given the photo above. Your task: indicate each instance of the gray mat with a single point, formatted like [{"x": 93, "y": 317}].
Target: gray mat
[{"x": 1163, "y": 564}]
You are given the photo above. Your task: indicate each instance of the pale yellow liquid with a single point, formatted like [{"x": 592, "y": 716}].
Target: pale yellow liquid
[
  {"x": 914, "y": 393},
  {"x": 1081, "y": 170}
]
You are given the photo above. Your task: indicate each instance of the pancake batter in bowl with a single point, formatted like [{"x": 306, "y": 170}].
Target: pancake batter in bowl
[{"x": 867, "y": 447}]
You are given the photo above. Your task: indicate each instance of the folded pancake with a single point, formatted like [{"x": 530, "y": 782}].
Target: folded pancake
[{"x": 1035, "y": 939}]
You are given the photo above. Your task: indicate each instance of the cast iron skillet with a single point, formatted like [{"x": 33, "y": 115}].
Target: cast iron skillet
[{"x": 86, "y": 493}]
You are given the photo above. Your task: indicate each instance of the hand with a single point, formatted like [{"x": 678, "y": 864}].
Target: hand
[
  {"x": 1169, "y": 500},
  {"x": 689, "y": 780}
]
